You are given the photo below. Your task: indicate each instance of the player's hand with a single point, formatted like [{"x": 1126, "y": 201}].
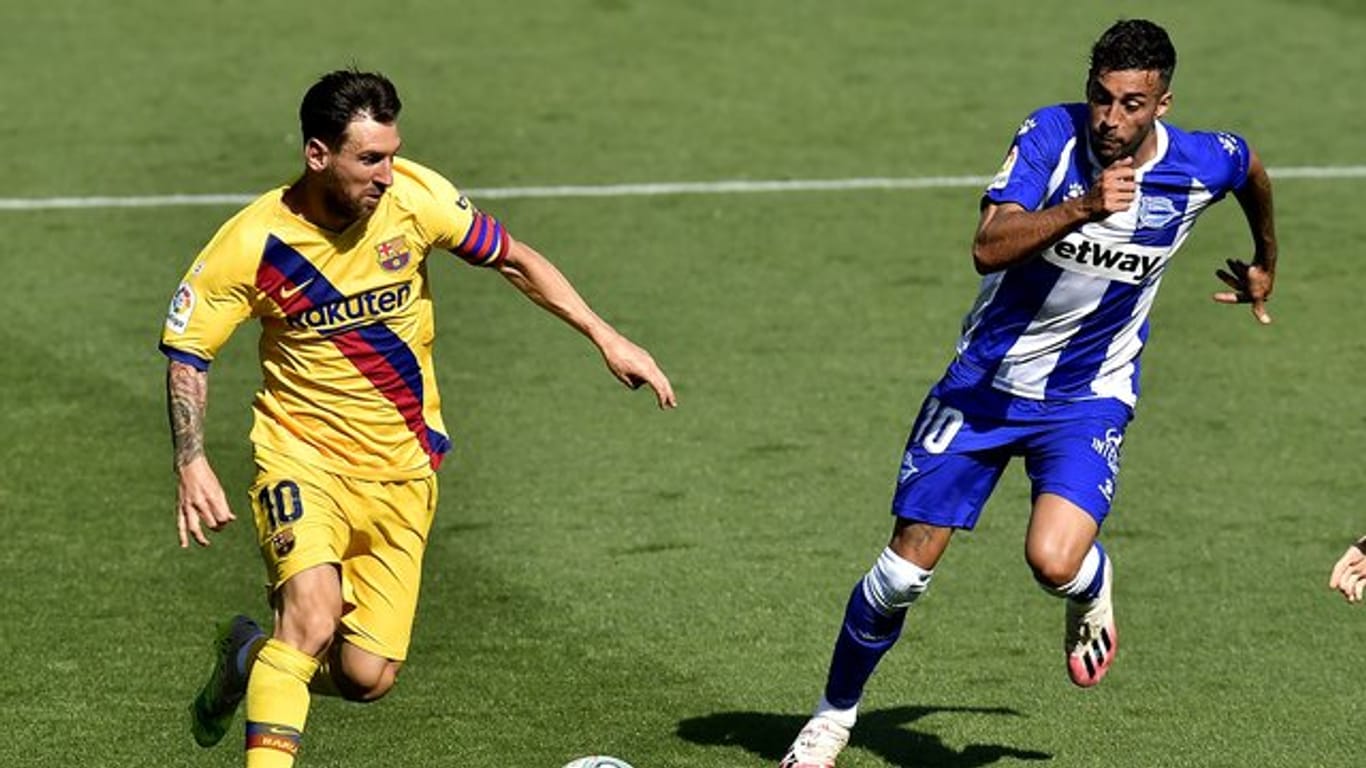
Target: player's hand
[
  {"x": 1251, "y": 284},
  {"x": 1113, "y": 192},
  {"x": 200, "y": 503},
  {"x": 633, "y": 367},
  {"x": 1349, "y": 574}
]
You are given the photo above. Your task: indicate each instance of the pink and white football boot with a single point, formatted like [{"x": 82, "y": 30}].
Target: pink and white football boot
[{"x": 1091, "y": 640}]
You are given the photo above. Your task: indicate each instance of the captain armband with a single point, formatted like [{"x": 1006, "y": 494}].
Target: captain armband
[{"x": 486, "y": 243}]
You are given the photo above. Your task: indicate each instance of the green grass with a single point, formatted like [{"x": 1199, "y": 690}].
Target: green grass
[{"x": 665, "y": 587}]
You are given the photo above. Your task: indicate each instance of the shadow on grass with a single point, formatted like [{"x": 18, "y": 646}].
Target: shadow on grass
[{"x": 882, "y": 732}]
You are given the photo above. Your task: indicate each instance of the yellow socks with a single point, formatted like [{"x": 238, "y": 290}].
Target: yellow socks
[
  {"x": 277, "y": 704},
  {"x": 324, "y": 682}
]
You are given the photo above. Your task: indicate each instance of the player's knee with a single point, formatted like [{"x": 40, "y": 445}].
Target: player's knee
[
  {"x": 369, "y": 682},
  {"x": 1052, "y": 568},
  {"x": 309, "y": 608},
  {"x": 311, "y": 631},
  {"x": 364, "y": 692},
  {"x": 894, "y": 582}
]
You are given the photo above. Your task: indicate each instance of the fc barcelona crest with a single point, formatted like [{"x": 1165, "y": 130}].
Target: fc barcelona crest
[
  {"x": 283, "y": 542},
  {"x": 393, "y": 254}
]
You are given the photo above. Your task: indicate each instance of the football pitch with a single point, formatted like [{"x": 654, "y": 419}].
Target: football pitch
[{"x": 603, "y": 578}]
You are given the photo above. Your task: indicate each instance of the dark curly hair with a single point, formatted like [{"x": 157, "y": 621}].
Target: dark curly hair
[
  {"x": 1134, "y": 44},
  {"x": 340, "y": 97}
]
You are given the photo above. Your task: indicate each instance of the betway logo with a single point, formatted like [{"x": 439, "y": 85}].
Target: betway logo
[
  {"x": 1108, "y": 260},
  {"x": 352, "y": 311}
]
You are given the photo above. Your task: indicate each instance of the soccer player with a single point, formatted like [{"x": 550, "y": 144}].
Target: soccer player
[
  {"x": 347, "y": 433},
  {"x": 1349, "y": 572},
  {"x": 1075, "y": 232}
]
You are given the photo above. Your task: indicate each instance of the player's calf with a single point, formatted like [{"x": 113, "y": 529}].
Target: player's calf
[
  {"x": 370, "y": 683},
  {"x": 873, "y": 620},
  {"x": 351, "y": 673}
]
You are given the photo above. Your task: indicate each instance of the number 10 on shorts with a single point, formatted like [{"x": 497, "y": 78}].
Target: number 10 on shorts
[
  {"x": 281, "y": 503},
  {"x": 937, "y": 426}
]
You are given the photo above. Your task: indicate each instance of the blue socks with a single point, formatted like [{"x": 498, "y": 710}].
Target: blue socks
[
  {"x": 866, "y": 635},
  {"x": 873, "y": 620}
]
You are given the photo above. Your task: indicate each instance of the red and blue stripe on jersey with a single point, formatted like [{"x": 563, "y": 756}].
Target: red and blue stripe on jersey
[{"x": 296, "y": 286}]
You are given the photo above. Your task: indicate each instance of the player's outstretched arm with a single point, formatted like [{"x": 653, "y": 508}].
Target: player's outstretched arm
[
  {"x": 199, "y": 495},
  {"x": 1007, "y": 234},
  {"x": 1349, "y": 573},
  {"x": 1252, "y": 283},
  {"x": 536, "y": 277}
]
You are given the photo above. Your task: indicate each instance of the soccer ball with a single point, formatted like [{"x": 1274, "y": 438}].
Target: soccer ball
[{"x": 597, "y": 761}]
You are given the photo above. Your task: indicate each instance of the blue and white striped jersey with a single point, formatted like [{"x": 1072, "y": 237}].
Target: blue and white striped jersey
[{"x": 1070, "y": 324}]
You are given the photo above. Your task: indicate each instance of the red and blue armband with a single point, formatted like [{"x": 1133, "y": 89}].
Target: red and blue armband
[{"x": 486, "y": 244}]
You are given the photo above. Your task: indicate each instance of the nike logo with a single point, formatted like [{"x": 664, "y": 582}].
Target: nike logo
[
  {"x": 283, "y": 730},
  {"x": 289, "y": 293}
]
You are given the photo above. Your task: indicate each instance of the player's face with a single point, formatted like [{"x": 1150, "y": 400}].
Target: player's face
[
  {"x": 356, "y": 175},
  {"x": 1124, "y": 106}
]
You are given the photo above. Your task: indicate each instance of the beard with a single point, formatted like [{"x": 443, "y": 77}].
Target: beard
[
  {"x": 1108, "y": 153},
  {"x": 340, "y": 205}
]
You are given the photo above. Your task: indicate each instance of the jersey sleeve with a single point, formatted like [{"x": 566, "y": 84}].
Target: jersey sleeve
[
  {"x": 1030, "y": 161},
  {"x": 1224, "y": 163},
  {"x": 449, "y": 220},
  {"x": 216, "y": 295}
]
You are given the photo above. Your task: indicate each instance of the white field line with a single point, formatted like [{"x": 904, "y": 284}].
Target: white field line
[{"x": 737, "y": 186}]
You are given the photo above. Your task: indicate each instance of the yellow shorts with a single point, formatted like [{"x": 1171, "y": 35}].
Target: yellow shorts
[{"x": 375, "y": 532}]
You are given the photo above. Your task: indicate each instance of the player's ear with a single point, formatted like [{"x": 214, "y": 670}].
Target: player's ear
[
  {"x": 1164, "y": 103},
  {"x": 317, "y": 154}
]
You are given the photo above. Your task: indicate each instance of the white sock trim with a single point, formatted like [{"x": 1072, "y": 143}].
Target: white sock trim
[
  {"x": 844, "y": 717},
  {"x": 1090, "y": 567},
  {"x": 894, "y": 582}
]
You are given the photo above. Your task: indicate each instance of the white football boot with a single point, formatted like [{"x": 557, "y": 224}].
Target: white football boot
[
  {"x": 1091, "y": 640},
  {"x": 817, "y": 746}
]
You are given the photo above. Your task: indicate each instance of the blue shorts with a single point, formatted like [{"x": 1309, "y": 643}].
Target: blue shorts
[{"x": 962, "y": 440}]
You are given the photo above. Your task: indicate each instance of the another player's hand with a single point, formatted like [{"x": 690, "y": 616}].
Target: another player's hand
[
  {"x": 633, "y": 367},
  {"x": 1251, "y": 284},
  {"x": 1114, "y": 191},
  {"x": 200, "y": 503},
  {"x": 1349, "y": 574}
]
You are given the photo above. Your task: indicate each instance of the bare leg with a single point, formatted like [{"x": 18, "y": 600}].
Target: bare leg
[
  {"x": 1067, "y": 561},
  {"x": 1059, "y": 538},
  {"x": 355, "y": 673},
  {"x": 308, "y": 609},
  {"x": 920, "y": 543}
]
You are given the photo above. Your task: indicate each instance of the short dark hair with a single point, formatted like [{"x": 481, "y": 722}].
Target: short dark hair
[
  {"x": 1134, "y": 44},
  {"x": 340, "y": 97}
]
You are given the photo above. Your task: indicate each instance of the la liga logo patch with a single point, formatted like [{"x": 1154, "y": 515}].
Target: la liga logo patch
[
  {"x": 182, "y": 306},
  {"x": 393, "y": 254},
  {"x": 1002, "y": 177}
]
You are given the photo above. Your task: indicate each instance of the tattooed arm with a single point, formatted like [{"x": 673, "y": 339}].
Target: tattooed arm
[{"x": 199, "y": 495}]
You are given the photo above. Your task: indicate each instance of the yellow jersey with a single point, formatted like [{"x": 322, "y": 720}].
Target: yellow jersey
[{"x": 346, "y": 322}]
